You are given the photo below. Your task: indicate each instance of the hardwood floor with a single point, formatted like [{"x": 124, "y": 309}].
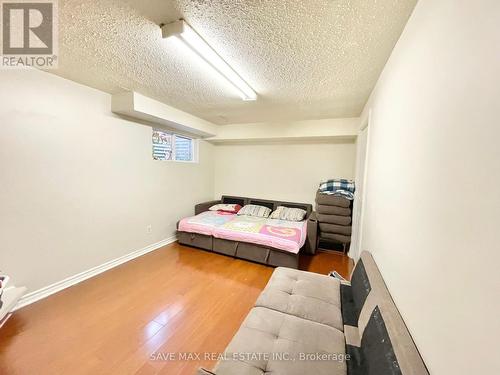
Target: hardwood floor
[{"x": 173, "y": 300}]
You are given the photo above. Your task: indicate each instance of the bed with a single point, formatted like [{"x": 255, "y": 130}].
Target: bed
[{"x": 269, "y": 241}]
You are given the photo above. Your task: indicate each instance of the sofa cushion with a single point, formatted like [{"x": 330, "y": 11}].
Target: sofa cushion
[
  {"x": 334, "y": 219},
  {"x": 334, "y": 237},
  {"x": 332, "y": 200},
  {"x": 303, "y": 294},
  {"x": 335, "y": 229},
  {"x": 273, "y": 342},
  {"x": 333, "y": 210}
]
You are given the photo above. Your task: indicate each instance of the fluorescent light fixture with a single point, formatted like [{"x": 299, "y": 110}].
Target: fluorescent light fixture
[{"x": 181, "y": 30}]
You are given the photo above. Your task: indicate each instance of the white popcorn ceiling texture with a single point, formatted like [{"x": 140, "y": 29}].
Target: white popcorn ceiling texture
[{"x": 306, "y": 59}]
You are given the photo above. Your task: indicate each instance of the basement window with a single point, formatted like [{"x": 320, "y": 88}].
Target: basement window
[{"x": 171, "y": 146}]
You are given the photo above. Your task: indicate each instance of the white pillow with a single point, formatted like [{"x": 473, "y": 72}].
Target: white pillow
[
  {"x": 225, "y": 207},
  {"x": 288, "y": 213},
  {"x": 255, "y": 210}
]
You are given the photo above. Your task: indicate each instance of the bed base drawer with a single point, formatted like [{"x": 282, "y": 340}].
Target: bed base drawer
[
  {"x": 242, "y": 250},
  {"x": 252, "y": 252},
  {"x": 283, "y": 259},
  {"x": 196, "y": 240},
  {"x": 225, "y": 247}
]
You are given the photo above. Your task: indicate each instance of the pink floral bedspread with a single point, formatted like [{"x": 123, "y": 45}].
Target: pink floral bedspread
[{"x": 279, "y": 234}]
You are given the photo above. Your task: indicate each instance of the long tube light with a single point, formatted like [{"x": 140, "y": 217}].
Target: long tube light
[{"x": 181, "y": 30}]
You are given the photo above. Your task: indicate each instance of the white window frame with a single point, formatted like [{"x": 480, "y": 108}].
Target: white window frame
[{"x": 194, "y": 144}]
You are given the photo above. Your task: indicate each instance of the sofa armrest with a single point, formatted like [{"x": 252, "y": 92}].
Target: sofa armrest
[
  {"x": 312, "y": 234},
  {"x": 202, "y": 207}
]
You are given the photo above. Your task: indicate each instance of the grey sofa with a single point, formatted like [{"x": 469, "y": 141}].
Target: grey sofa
[
  {"x": 306, "y": 323},
  {"x": 248, "y": 251}
]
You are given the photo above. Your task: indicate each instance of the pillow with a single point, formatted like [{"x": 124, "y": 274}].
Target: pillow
[
  {"x": 254, "y": 210},
  {"x": 233, "y": 208},
  {"x": 287, "y": 213}
]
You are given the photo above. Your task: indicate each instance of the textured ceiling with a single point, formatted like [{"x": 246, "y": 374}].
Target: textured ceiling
[{"x": 305, "y": 59}]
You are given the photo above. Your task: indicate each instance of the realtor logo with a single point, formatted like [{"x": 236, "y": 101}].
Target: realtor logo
[{"x": 29, "y": 33}]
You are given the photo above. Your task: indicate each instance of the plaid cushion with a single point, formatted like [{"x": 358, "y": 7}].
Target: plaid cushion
[
  {"x": 337, "y": 184},
  {"x": 342, "y": 193}
]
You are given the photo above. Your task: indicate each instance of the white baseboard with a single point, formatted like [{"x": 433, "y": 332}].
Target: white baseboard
[{"x": 75, "y": 279}]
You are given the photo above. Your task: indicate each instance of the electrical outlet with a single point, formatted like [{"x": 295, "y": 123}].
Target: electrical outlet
[{"x": 149, "y": 229}]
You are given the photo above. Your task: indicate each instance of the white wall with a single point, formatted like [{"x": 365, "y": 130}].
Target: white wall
[
  {"x": 78, "y": 185},
  {"x": 433, "y": 202},
  {"x": 282, "y": 171}
]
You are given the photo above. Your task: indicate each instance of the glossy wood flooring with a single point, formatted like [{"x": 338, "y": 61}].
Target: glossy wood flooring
[{"x": 173, "y": 300}]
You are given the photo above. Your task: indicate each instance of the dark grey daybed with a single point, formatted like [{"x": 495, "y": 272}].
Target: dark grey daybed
[{"x": 249, "y": 251}]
